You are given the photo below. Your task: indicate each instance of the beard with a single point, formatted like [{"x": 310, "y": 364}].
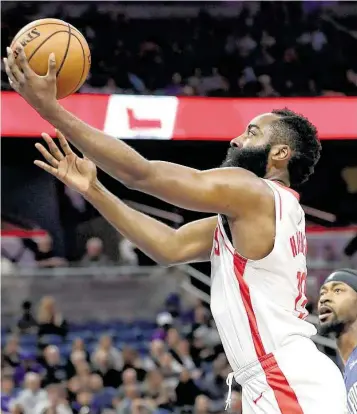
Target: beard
[
  {"x": 254, "y": 159},
  {"x": 334, "y": 326}
]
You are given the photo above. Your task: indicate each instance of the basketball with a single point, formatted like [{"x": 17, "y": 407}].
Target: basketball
[{"x": 42, "y": 37}]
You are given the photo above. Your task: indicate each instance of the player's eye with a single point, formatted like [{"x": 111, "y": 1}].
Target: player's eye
[
  {"x": 337, "y": 290},
  {"x": 251, "y": 132}
]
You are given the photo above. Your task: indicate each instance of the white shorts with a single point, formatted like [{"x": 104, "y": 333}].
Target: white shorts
[{"x": 296, "y": 379}]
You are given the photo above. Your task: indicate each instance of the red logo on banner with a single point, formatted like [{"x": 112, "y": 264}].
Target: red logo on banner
[{"x": 136, "y": 123}]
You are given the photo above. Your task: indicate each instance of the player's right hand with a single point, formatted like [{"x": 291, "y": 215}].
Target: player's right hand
[
  {"x": 38, "y": 91},
  {"x": 77, "y": 173}
]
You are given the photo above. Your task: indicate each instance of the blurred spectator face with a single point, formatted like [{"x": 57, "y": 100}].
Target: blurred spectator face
[
  {"x": 129, "y": 376},
  {"x": 101, "y": 359},
  {"x": 188, "y": 90},
  {"x": 84, "y": 398},
  {"x": 236, "y": 402},
  {"x": 200, "y": 315},
  {"x": 52, "y": 355},
  {"x": 55, "y": 393},
  {"x": 96, "y": 383},
  {"x": 184, "y": 347},
  {"x": 351, "y": 76},
  {"x": 131, "y": 391},
  {"x": 47, "y": 309},
  {"x": 155, "y": 378},
  {"x": 74, "y": 385},
  {"x": 77, "y": 356},
  {"x": 173, "y": 337},
  {"x": 7, "y": 385},
  {"x": 219, "y": 364},
  {"x": 176, "y": 78},
  {"x": 12, "y": 345},
  {"x": 201, "y": 404},
  {"x": 82, "y": 368},
  {"x": 78, "y": 345},
  {"x": 32, "y": 382},
  {"x": 94, "y": 247},
  {"x": 157, "y": 348},
  {"x": 105, "y": 342},
  {"x": 129, "y": 355}
]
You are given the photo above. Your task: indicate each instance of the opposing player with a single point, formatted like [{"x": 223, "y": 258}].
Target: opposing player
[
  {"x": 338, "y": 315},
  {"x": 258, "y": 232}
]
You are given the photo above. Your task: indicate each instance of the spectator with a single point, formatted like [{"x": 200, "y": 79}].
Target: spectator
[
  {"x": 76, "y": 357},
  {"x": 131, "y": 359},
  {"x": 42, "y": 248},
  {"x": 31, "y": 396},
  {"x": 213, "y": 382},
  {"x": 102, "y": 397},
  {"x": 50, "y": 320},
  {"x": 27, "y": 323},
  {"x": 94, "y": 256},
  {"x": 8, "y": 393},
  {"x": 11, "y": 353},
  {"x": 55, "y": 372},
  {"x": 127, "y": 253},
  {"x": 124, "y": 404},
  {"x": 115, "y": 358},
  {"x": 56, "y": 402},
  {"x": 202, "y": 405},
  {"x": 111, "y": 377},
  {"x": 28, "y": 363},
  {"x": 186, "y": 390}
]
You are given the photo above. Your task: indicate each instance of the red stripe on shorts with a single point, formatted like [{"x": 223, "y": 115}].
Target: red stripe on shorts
[{"x": 284, "y": 394}]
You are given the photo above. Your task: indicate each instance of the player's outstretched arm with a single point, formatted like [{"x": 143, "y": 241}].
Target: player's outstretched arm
[
  {"x": 165, "y": 245},
  {"x": 228, "y": 191}
]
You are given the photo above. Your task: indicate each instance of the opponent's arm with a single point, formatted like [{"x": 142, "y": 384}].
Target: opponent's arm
[
  {"x": 167, "y": 246},
  {"x": 229, "y": 191}
]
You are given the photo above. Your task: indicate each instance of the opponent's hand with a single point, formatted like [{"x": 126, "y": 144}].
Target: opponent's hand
[
  {"x": 77, "y": 173},
  {"x": 38, "y": 91}
]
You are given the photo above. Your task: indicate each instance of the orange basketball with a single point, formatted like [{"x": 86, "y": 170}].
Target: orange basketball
[{"x": 42, "y": 37}]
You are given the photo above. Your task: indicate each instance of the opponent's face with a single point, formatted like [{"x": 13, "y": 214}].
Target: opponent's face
[
  {"x": 337, "y": 307},
  {"x": 253, "y": 150}
]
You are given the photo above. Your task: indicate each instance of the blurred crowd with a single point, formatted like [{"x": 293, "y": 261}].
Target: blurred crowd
[
  {"x": 52, "y": 366},
  {"x": 270, "y": 49}
]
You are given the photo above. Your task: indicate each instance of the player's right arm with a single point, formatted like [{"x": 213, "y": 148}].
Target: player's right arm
[{"x": 165, "y": 245}]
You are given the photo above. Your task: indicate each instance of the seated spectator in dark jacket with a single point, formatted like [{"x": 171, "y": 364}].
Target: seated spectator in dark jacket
[
  {"x": 111, "y": 377},
  {"x": 42, "y": 248},
  {"x": 11, "y": 352},
  {"x": 102, "y": 397},
  {"x": 27, "y": 323},
  {"x": 54, "y": 371},
  {"x": 186, "y": 390},
  {"x": 50, "y": 320}
]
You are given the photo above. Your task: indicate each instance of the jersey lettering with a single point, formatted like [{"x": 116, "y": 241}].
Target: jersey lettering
[{"x": 301, "y": 299}]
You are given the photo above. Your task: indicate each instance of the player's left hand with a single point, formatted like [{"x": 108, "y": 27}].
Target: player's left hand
[{"x": 38, "y": 91}]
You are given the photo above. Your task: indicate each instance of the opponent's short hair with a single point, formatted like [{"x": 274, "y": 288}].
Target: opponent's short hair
[{"x": 301, "y": 135}]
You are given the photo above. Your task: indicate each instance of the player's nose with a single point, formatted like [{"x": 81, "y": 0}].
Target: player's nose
[{"x": 236, "y": 143}]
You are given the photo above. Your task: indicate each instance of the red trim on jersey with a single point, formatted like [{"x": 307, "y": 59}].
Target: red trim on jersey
[
  {"x": 293, "y": 192},
  {"x": 280, "y": 206},
  {"x": 284, "y": 394}
]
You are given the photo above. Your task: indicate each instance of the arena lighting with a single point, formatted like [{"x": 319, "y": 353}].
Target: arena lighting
[{"x": 173, "y": 118}]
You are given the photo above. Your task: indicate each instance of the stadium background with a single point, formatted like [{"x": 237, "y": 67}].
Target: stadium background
[{"x": 127, "y": 336}]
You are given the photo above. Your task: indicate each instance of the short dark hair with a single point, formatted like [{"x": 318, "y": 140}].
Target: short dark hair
[{"x": 301, "y": 135}]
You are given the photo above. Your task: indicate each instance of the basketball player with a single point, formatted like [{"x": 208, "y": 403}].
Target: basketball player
[
  {"x": 256, "y": 239},
  {"x": 338, "y": 315}
]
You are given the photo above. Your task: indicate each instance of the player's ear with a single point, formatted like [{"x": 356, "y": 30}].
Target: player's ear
[{"x": 281, "y": 152}]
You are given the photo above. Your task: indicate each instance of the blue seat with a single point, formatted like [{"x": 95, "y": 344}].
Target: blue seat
[
  {"x": 143, "y": 324},
  {"x": 28, "y": 339},
  {"x": 85, "y": 335},
  {"x": 51, "y": 340}
]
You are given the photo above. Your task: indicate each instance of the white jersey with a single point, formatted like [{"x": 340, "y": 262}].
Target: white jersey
[{"x": 259, "y": 305}]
